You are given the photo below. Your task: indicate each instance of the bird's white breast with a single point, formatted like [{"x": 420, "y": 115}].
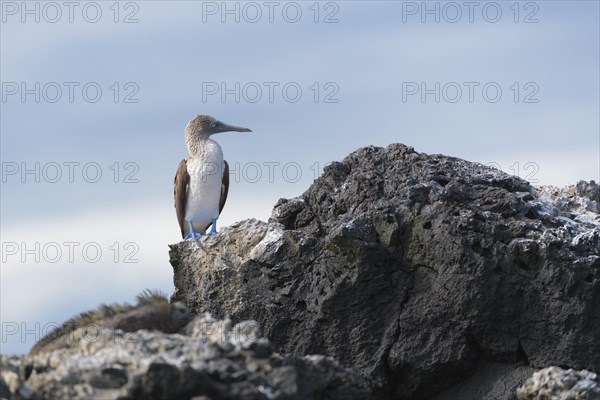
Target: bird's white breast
[{"x": 204, "y": 191}]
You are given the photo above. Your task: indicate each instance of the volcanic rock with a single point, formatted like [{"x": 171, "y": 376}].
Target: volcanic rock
[{"x": 432, "y": 276}]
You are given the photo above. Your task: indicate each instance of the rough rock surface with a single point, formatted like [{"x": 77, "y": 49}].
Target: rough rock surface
[
  {"x": 211, "y": 360},
  {"x": 557, "y": 384},
  {"x": 433, "y": 277}
]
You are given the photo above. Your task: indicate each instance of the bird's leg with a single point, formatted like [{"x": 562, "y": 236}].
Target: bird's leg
[
  {"x": 193, "y": 234},
  {"x": 213, "y": 229}
]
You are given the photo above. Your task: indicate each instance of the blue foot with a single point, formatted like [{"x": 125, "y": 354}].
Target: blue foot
[
  {"x": 193, "y": 234},
  {"x": 213, "y": 229}
]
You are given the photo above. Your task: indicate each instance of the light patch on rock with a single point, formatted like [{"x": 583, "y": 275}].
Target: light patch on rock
[
  {"x": 556, "y": 202},
  {"x": 555, "y": 383},
  {"x": 271, "y": 243}
]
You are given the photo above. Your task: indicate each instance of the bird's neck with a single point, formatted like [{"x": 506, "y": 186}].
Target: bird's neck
[{"x": 198, "y": 146}]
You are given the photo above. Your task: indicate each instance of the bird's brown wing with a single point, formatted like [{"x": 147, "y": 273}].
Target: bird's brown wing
[
  {"x": 224, "y": 186},
  {"x": 182, "y": 180},
  {"x": 224, "y": 189}
]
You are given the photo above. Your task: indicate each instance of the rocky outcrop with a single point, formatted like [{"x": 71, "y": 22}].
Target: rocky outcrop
[
  {"x": 209, "y": 360},
  {"x": 433, "y": 277},
  {"x": 557, "y": 384}
]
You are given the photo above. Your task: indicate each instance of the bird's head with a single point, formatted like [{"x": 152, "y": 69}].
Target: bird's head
[{"x": 205, "y": 125}]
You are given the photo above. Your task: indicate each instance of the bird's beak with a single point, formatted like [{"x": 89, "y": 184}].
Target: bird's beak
[{"x": 221, "y": 127}]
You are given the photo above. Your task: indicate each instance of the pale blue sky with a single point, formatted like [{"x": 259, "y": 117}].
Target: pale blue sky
[{"x": 177, "y": 47}]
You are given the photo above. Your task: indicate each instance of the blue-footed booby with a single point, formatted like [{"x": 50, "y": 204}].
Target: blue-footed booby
[{"x": 202, "y": 180}]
